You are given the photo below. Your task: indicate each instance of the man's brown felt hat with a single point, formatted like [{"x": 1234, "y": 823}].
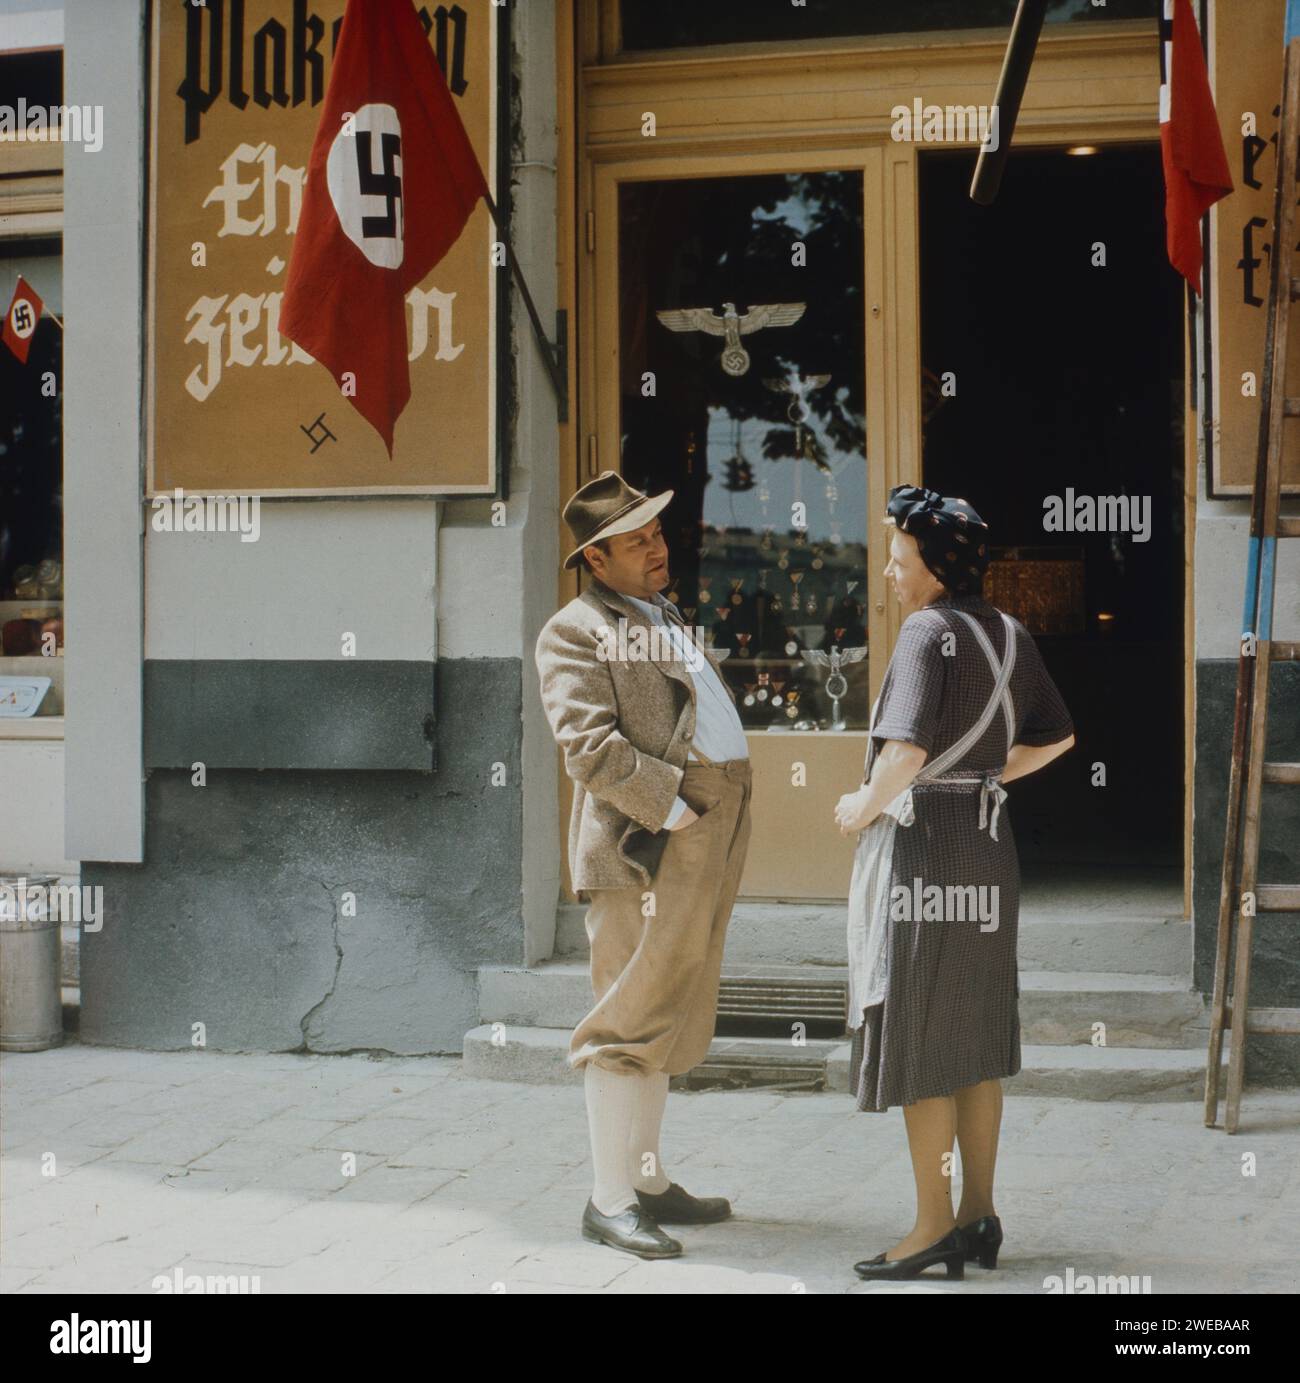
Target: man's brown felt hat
[{"x": 606, "y": 506}]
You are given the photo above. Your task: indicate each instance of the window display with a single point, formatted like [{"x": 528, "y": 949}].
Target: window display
[
  {"x": 31, "y": 491},
  {"x": 742, "y": 358}
]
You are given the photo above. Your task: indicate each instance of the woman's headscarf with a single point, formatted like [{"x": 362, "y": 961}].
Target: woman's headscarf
[{"x": 952, "y": 537}]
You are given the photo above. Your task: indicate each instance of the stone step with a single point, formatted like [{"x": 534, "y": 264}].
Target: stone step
[
  {"x": 1125, "y": 941},
  {"x": 1081, "y": 1072},
  {"x": 1056, "y": 1008}
]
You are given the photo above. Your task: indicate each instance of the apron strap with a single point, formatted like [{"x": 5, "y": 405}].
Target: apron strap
[
  {"x": 991, "y": 790},
  {"x": 1008, "y": 705},
  {"x": 1000, "y": 697}
]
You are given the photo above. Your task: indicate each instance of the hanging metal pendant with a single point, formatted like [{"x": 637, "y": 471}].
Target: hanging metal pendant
[{"x": 798, "y": 386}]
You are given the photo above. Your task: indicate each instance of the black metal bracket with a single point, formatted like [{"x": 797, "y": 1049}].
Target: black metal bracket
[{"x": 561, "y": 356}]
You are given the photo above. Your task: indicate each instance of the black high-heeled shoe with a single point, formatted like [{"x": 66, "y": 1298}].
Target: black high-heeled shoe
[
  {"x": 950, "y": 1251},
  {"x": 983, "y": 1239}
]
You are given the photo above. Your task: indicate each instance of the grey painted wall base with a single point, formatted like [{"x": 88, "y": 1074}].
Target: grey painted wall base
[
  {"x": 236, "y": 918},
  {"x": 1275, "y": 965},
  {"x": 288, "y": 713}
]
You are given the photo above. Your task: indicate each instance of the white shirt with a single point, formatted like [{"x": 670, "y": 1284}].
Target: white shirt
[{"x": 719, "y": 734}]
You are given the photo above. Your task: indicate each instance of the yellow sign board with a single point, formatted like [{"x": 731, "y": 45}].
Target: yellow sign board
[
  {"x": 1247, "y": 55},
  {"x": 233, "y": 407}
]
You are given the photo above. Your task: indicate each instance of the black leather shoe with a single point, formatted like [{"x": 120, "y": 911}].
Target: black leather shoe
[
  {"x": 632, "y": 1230},
  {"x": 678, "y": 1207},
  {"x": 983, "y": 1239},
  {"x": 950, "y": 1251}
]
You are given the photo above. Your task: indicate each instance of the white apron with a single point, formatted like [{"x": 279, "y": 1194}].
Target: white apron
[{"x": 873, "y": 858}]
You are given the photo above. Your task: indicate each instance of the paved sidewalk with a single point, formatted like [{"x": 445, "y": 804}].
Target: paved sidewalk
[{"x": 234, "y": 1165}]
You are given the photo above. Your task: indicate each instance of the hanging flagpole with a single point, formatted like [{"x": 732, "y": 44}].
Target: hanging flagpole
[
  {"x": 1025, "y": 29},
  {"x": 549, "y": 352}
]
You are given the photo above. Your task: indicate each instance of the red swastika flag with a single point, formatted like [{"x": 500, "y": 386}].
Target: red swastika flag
[
  {"x": 1191, "y": 147},
  {"x": 21, "y": 319},
  {"x": 391, "y": 182}
]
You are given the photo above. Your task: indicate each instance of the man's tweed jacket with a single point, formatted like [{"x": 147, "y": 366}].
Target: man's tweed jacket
[{"x": 625, "y": 728}]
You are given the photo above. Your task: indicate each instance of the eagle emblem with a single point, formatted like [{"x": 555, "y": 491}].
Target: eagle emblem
[
  {"x": 837, "y": 685},
  {"x": 732, "y": 325}
]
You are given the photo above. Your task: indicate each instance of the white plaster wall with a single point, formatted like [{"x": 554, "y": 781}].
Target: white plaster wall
[
  {"x": 103, "y": 221},
  {"x": 318, "y": 568},
  {"x": 30, "y": 23},
  {"x": 31, "y": 808},
  {"x": 499, "y": 584}
]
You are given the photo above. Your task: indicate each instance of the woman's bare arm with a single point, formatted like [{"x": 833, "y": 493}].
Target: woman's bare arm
[
  {"x": 895, "y": 767},
  {"x": 1029, "y": 758}
]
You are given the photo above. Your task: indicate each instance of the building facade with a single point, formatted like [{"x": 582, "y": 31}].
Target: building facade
[{"x": 301, "y": 847}]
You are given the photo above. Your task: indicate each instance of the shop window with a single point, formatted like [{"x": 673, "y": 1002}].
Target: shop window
[
  {"x": 652, "y": 24},
  {"x": 31, "y": 405},
  {"x": 741, "y": 343},
  {"x": 31, "y": 493}
]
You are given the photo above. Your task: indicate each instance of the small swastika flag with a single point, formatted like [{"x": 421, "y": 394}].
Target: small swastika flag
[{"x": 21, "y": 318}]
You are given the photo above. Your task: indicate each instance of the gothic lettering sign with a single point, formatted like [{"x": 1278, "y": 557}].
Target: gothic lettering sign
[
  {"x": 1247, "y": 55},
  {"x": 233, "y": 407}
]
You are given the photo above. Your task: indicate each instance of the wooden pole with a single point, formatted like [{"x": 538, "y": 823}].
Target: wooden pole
[
  {"x": 1006, "y": 101},
  {"x": 558, "y": 382}
]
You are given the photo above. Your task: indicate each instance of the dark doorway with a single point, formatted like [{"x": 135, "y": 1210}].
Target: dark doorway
[{"x": 1068, "y": 376}]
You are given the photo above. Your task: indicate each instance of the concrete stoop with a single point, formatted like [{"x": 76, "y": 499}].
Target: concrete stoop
[
  {"x": 1138, "y": 936},
  {"x": 1055, "y": 1008},
  {"x": 1106, "y": 1006},
  {"x": 1081, "y": 1072}
]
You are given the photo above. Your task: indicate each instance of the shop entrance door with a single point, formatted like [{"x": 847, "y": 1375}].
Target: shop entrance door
[
  {"x": 732, "y": 366},
  {"x": 747, "y": 300}
]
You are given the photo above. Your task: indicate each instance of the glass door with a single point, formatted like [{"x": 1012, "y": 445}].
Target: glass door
[{"x": 731, "y": 368}]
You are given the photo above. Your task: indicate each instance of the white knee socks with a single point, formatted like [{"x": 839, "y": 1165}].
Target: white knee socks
[
  {"x": 624, "y": 1116},
  {"x": 646, "y": 1164},
  {"x": 612, "y": 1101}
]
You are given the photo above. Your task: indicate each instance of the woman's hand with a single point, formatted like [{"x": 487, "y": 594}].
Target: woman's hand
[{"x": 852, "y": 812}]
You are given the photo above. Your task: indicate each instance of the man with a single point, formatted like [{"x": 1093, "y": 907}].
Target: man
[{"x": 657, "y": 839}]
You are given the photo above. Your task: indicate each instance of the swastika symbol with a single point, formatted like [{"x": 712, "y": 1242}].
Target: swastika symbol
[
  {"x": 364, "y": 174},
  {"x": 386, "y": 183},
  {"x": 22, "y": 318}
]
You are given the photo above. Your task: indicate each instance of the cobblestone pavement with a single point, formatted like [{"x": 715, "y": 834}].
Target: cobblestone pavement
[{"x": 349, "y": 1174}]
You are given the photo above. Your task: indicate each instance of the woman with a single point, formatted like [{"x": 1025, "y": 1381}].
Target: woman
[{"x": 933, "y": 987}]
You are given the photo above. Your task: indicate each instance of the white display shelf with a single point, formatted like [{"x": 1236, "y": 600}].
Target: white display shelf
[
  {"x": 15, "y": 609},
  {"x": 31, "y": 727}
]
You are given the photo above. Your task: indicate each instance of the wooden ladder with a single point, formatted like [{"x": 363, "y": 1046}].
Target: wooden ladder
[{"x": 1240, "y": 895}]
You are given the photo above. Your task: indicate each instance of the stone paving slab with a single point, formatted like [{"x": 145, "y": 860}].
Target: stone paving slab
[{"x": 347, "y": 1174}]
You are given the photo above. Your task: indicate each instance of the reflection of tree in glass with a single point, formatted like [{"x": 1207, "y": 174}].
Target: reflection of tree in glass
[
  {"x": 768, "y": 587},
  {"x": 734, "y": 239},
  {"x": 823, "y": 212}
]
